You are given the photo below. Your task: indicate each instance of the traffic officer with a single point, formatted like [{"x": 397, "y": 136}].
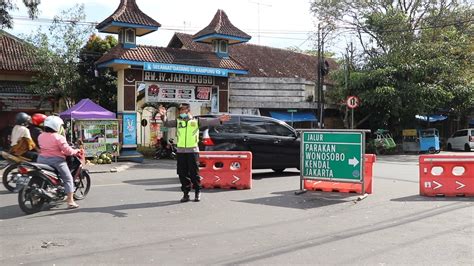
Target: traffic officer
[{"x": 187, "y": 146}]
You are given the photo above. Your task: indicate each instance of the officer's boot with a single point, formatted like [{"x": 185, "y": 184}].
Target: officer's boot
[
  {"x": 197, "y": 196},
  {"x": 185, "y": 197}
]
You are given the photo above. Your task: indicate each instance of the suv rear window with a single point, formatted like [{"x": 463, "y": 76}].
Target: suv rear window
[
  {"x": 254, "y": 125},
  {"x": 277, "y": 129},
  {"x": 460, "y": 133}
]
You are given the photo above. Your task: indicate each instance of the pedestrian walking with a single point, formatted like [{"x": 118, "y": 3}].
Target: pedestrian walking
[{"x": 187, "y": 136}]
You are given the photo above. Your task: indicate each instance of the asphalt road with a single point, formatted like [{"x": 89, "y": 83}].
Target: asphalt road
[{"x": 134, "y": 217}]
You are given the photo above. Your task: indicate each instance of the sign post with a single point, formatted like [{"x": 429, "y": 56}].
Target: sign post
[
  {"x": 292, "y": 111},
  {"x": 332, "y": 155},
  {"x": 352, "y": 102}
]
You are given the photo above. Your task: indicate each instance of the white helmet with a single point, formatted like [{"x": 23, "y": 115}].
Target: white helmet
[{"x": 53, "y": 122}]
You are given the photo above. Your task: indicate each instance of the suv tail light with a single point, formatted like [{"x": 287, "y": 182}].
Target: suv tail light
[
  {"x": 206, "y": 139},
  {"x": 22, "y": 170},
  {"x": 471, "y": 138}
]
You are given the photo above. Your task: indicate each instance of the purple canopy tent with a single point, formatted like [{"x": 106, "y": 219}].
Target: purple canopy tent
[{"x": 87, "y": 109}]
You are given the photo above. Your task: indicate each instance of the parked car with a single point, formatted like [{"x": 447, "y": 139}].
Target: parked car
[
  {"x": 461, "y": 140},
  {"x": 273, "y": 143}
]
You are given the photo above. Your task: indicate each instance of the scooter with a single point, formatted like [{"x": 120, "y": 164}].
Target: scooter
[
  {"x": 42, "y": 184},
  {"x": 166, "y": 150}
]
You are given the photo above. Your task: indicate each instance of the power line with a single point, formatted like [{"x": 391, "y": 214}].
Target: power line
[{"x": 283, "y": 32}]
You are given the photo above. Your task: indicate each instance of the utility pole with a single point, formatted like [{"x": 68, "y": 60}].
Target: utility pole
[
  {"x": 346, "y": 79},
  {"x": 258, "y": 3},
  {"x": 317, "y": 90},
  {"x": 321, "y": 71}
]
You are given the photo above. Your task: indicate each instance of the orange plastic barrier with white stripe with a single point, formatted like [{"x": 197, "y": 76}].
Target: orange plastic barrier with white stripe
[
  {"x": 446, "y": 175},
  {"x": 330, "y": 186},
  {"x": 226, "y": 169}
]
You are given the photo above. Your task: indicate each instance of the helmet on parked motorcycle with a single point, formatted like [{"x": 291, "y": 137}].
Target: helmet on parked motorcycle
[
  {"x": 38, "y": 119},
  {"x": 53, "y": 122},
  {"x": 22, "y": 119}
]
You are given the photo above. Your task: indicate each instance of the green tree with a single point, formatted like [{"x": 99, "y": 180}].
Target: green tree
[
  {"x": 416, "y": 57},
  {"x": 57, "y": 55},
  {"x": 99, "y": 85},
  {"x": 6, "y": 6}
]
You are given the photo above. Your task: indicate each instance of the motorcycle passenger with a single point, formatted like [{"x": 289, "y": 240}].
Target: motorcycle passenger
[
  {"x": 21, "y": 140},
  {"x": 54, "y": 149},
  {"x": 36, "y": 127}
]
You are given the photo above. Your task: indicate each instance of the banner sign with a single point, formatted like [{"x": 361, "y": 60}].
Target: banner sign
[
  {"x": 12, "y": 102},
  {"x": 178, "y": 78},
  {"x": 93, "y": 149},
  {"x": 129, "y": 129},
  {"x": 185, "y": 69},
  {"x": 156, "y": 92}
]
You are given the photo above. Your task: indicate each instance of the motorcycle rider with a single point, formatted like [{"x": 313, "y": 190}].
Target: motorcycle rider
[
  {"x": 21, "y": 140},
  {"x": 54, "y": 149},
  {"x": 36, "y": 126}
]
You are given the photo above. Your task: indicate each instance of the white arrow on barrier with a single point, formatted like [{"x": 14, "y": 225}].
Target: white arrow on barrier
[
  {"x": 217, "y": 179},
  {"x": 438, "y": 185},
  {"x": 461, "y": 185},
  {"x": 236, "y": 179},
  {"x": 353, "y": 161}
]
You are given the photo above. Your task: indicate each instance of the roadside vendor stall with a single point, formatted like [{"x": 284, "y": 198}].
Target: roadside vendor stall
[{"x": 95, "y": 126}]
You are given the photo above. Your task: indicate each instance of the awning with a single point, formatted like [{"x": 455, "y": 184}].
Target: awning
[
  {"x": 433, "y": 118},
  {"x": 295, "y": 117}
]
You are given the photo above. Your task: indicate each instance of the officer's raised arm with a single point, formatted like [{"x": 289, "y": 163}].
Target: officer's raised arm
[
  {"x": 204, "y": 122},
  {"x": 164, "y": 118}
]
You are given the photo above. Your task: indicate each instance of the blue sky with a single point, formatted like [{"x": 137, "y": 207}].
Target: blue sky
[{"x": 282, "y": 23}]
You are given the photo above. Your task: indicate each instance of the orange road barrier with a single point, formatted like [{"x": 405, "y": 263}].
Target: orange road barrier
[
  {"x": 226, "y": 169},
  {"x": 446, "y": 175},
  {"x": 343, "y": 187}
]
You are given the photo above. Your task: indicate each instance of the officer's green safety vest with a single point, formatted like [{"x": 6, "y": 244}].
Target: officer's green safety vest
[{"x": 187, "y": 133}]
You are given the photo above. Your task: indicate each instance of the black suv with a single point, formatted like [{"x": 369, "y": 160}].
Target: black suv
[{"x": 274, "y": 144}]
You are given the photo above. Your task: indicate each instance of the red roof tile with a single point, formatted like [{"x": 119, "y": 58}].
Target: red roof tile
[
  {"x": 221, "y": 24},
  {"x": 261, "y": 61},
  {"x": 165, "y": 55},
  {"x": 15, "y": 54},
  {"x": 128, "y": 12}
]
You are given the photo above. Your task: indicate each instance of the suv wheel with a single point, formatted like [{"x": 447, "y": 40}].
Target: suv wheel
[
  {"x": 467, "y": 147},
  {"x": 450, "y": 148}
]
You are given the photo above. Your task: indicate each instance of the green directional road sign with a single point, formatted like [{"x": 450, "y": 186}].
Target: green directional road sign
[{"x": 332, "y": 155}]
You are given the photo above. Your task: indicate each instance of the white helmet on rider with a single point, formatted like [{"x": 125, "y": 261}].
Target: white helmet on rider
[{"x": 54, "y": 122}]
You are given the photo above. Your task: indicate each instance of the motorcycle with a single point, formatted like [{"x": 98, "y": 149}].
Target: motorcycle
[
  {"x": 10, "y": 174},
  {"x": 166, "y": 150},
  {"x": 41, "y": 184}
]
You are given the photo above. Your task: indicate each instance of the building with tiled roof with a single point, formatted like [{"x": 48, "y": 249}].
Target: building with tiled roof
[
  {"x": 15, "y": 54},
  {"x": 260, "y": 61},
  {"x": 17, "y": 68}
]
